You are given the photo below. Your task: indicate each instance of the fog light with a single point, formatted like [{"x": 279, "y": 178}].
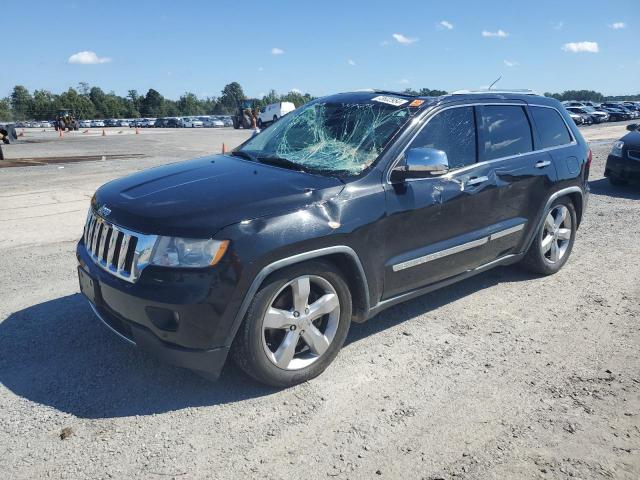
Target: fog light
[{"x": 163, "y": 318}]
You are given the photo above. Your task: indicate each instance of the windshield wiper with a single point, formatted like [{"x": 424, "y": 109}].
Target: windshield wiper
[
  {"x": 283, "y": 162},
  {"x": 242, "y": 154}
]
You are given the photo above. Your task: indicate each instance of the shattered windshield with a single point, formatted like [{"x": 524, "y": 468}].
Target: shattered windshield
[{"x": 332, "y": 137}]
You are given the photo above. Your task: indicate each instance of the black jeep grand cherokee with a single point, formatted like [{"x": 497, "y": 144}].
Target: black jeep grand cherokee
[{"x": 348, "y": 205}]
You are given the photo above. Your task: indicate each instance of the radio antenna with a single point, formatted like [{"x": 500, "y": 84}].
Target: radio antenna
[{"x": 496, "y": 81}]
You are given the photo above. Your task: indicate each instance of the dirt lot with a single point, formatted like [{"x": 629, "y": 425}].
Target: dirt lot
[{"x": 503, "y": 376}]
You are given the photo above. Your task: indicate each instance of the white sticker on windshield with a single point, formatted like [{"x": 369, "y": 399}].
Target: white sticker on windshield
[{"x": 395, "y": 101}]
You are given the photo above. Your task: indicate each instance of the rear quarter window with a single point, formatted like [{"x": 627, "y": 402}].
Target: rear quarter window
[{"x": 551, "y": 127}]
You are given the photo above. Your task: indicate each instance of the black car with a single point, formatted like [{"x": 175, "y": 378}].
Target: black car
[
  {"x": 593, "y": 117},
  {"x": 616, "y": 114},
  {"x": 348, "y": 205},
  {"x": 623, "y": 163}
]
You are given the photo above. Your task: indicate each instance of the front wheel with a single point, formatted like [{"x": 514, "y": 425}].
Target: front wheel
[
  {"x": 553, "y": 242},
  {"x": 295, "y": 325}
]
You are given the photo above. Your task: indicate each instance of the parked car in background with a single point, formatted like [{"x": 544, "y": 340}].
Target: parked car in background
[
  {"x": 173, "y": 122},
  {"x": 160, "y": 123},
  {"x": 122, "y": 123},
  {"x": 97, "y": 123},
  {"x": 45, "y": 124},
  {"x": 110, "y": 122},
  {"x": 349, "y": 205},
  {"x": 191, "y": 122},
  {"x": 273, "y": 112},
  {"x": 616, "y": 114},
  {"x": 149, "y": 122},
  {"x": 227, "y": 120},
  {"x": 632, "y": 113},
  {"x": 577, "y": 118},
  {"x": 211, "y": 122},
  {"x": 84, "y": 123},
  {"x": 623, "y": 163},
  {"x": 583, "y": 111}
]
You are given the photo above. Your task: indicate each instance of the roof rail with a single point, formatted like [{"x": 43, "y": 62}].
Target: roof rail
[{"x": 519, "y": 91}]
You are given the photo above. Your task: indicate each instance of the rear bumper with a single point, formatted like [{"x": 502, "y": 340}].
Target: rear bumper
[{"x": 622, "y": 168}]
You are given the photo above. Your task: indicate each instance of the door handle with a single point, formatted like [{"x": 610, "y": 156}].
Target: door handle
[
  {"x": 543, "y": 163},
  {"x": 476, "y": 180}
]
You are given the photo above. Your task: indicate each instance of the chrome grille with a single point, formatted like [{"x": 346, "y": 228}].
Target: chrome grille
[{"x": 117, "y": 250}]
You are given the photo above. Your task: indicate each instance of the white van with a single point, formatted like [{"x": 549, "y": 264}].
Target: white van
[{"x": 275, "y": 111}]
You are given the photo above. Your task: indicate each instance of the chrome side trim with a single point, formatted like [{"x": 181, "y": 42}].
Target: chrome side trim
[
  {"x": 95, "y": 310},
  {"x": 440, "y": 254},
  {"x": 457, "y": 249},
  {"x": 301, "y": 257},
  {"x": 506, "y": 231}
]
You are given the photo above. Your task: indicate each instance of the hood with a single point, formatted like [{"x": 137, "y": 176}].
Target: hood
[
  {"x": 632, "y": 140},
  {"x": 197, "y": 198}
]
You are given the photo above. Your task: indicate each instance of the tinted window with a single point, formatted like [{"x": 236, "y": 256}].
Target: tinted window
[
  {"x": 552, "y": 129},
  {"x": 452, "y": 131},
  {"x": 506, "y": 131}
]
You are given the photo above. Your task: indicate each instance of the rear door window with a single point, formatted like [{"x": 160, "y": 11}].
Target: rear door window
[
  {"x": 452, "y": 131},
  {"x": 506, "y": 131},
  {"x": 551, "y": 127}
]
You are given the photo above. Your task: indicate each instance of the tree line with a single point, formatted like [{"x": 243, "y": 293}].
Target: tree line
[
  {"x": 89, "y": 102},
  {"x": 92, "y": 102}
]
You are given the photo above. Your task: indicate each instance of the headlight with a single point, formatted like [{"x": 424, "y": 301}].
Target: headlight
[
  {"x": 617, "y": 148},
  {"x": 187, "y": 252}
]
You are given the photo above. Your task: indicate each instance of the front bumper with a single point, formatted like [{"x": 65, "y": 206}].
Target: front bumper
[
  {"x": 624, "y": 168},
  {"x": 177, "y": 316}
]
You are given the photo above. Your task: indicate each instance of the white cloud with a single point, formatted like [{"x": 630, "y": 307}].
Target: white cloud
[
  {"x": 276, "y": 51},
  {"x": 511, "y": 64},
  {"x": 351, "y": 62},
  {"x": 618, "y": 25},
  {"x": 403, "y": 40},
  {"x": 558, "y": 25},
  {"x": 499, "y": 34},
  {"x": 577, "y": 47},
  {"x": 87, "y": 57},
  {"x": 404, "y": 81},
  {"x": 445, "y": 24}
]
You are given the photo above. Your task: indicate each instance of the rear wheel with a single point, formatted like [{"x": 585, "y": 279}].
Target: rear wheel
[
  {"x": 246, "y": 121},
  {"x": 295, "y": 325},
  {"x": 553, "y": 242}
]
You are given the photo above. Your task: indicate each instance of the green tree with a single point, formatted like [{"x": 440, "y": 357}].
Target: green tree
[
  {"x": 21, "y": 103},
  {"x": 5, "y": 110},
  {"x": 44, "y": 105},
  {"x": 153, "y": 104},
  {"x": 231, "y": 95},
  {"x": 188, "y": 104}
]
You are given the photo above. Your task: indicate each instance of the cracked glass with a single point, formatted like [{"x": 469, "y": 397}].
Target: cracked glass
[{"x": 333, "y": 137}]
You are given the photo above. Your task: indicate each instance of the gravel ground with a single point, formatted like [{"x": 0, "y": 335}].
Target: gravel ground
[{"x": 502, "y": 376}]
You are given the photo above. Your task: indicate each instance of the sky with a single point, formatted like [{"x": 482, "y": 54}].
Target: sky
[{"x": 321, "y": 47}]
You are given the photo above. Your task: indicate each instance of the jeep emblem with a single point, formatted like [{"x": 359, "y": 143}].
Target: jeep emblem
[{"x": 104, "y": 211}]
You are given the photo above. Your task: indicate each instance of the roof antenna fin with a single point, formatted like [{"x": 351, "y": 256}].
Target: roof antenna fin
[{"x": 496, "y": 81}]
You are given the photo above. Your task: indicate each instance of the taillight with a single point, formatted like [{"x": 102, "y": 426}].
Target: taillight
[{"x": 589, "y": 158}]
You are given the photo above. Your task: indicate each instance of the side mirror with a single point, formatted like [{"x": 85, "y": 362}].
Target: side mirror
[
  {"x": 421, "y": 163},
  {"x": 632, "y": 127}
]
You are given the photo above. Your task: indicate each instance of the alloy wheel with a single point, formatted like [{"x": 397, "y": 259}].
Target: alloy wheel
[
  {"x": 556, "y": 234},
  {"x": 301, "y": 322}
]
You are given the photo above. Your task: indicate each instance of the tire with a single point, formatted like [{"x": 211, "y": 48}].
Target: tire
[
  {"x": 617, "y": 181},
  {"x": 261, "y": 351},
  {"x": 246, "y": 121},
  {"x": 236, "y": 124},
  {"x": 260, "y": 123},
  {"x": 275, "y": 118},
  {"x": 539, "y": 259}
]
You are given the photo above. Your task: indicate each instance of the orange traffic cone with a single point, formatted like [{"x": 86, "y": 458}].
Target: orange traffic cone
[
  {"x": 104, "y": 134},
  {"x": 61, "y": 133},
  {"x": 137, "y": 131},
  {"x": 224, "y": 148}
]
